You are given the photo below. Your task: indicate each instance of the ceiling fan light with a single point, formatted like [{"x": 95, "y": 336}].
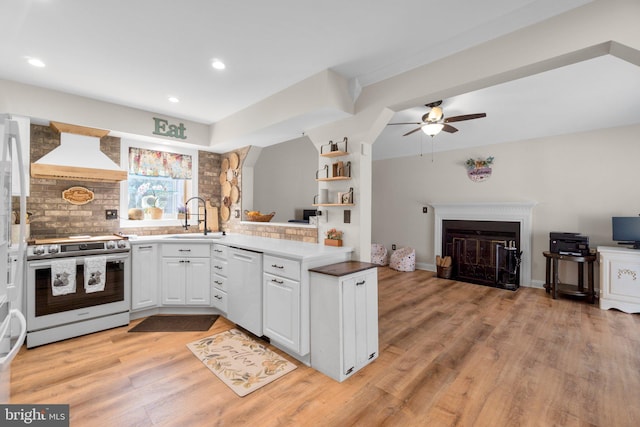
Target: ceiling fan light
[
  {"x": 432, "y": 129},
  {"x": 435, "y": 114}
]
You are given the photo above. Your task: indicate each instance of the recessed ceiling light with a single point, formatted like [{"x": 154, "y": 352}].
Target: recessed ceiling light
[
  {"x": 218, "y": 64},
  {"x": 173, "y": 99},
  {"x": 35, "y": 62}
]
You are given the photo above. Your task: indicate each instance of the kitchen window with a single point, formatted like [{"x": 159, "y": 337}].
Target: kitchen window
[{"x": 160, "y": 180}]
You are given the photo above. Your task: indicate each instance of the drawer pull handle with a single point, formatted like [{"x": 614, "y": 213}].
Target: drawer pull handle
[
  {"x": 361, "y": 283},
  {"x": 144, "y": 247},
  {"x": 218, "y": 250},
  {"x": 217, "y": 297},
  {"x": 277, "y": 266},
  {"x": 279, "y": 282},
  {"x": 372, "y": 355},
  {"x": 217, "y": 282},
  {"x": 184, "y": 250},
  {"x": 218, "y": 267},
  {"x": 349, "y": 371}
]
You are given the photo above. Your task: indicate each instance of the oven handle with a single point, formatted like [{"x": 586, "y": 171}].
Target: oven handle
[{"x": 79, "y": 260}]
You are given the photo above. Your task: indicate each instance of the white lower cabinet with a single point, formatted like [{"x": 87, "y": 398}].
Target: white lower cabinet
[
  {"x": 186, "y": 274},
  {"x": 344, "y": 318},
  {"x": 281, "y": 293},
  {"x": 619, "y": 279},
  {"x": 144, "y": 276},
  {"x": 282, "y": 310},
  {"x": 219, "y": 277}
]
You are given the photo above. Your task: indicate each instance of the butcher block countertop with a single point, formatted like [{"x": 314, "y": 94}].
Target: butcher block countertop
[{"x": 343, "y": 268}]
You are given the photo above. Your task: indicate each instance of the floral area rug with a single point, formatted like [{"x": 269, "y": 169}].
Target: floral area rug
[{"x": 240, "y": 362}]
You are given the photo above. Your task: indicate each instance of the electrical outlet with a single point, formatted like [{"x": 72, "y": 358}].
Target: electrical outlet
[
  {"x": 111, "y": 214},
  {"x": 424, "y": 209},
  {"x": 393, "y": 247}
]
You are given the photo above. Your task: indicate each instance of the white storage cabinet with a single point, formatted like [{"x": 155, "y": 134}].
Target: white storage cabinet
[
  {"x": 219, "y": 277},
  {"x": 344, "y": 318},
  {"x": 619, "y": 279},
  {"x": 186, "y": 274},
  {"x": 144, "y": 276},
  {"x": 281, "y": 293}
]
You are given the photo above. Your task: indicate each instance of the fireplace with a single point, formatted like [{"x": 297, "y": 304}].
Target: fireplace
[
  {"x": 483, "y": 252},
  {"x": 517, "y": 213}
]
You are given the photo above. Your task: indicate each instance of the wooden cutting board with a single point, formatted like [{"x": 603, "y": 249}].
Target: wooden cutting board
[{"x": 212, "y": 217}]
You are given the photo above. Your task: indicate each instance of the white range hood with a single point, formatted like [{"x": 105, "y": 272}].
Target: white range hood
[{"x": 78, "y": 157}]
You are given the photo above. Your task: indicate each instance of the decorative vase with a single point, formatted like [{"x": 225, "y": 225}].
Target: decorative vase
[
  {"x": 332, "y": 242},
  {"x": 155, "y": 213}
]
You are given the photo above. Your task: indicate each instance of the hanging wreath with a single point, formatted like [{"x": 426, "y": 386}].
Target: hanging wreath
[{"x": 479, "y": 170}]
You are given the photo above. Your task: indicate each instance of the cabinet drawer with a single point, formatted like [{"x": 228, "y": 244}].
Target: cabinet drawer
[
  {"x": 282, "y": 267},
  {"x": 220, "y": 251},
  {"x": 219, "y": 282},
  {"x": 219, "y": 300},
  {"x": 185, "y": 250},
  {"x": 219, "y": 267}
]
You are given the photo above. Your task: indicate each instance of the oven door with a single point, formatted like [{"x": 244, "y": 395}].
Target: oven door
[{"x": 44, "y": 310}]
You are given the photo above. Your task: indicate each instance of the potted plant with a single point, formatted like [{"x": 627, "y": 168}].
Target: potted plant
[
  {"x": 153, "y": 198},
  {"x": 182, "y": 212},
  {"x": 334, "y": 238}
]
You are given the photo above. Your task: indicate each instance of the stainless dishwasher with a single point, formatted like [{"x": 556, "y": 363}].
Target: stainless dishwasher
[{"x": 245, "y": 289}]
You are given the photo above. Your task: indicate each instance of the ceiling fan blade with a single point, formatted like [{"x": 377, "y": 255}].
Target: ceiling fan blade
[
  {"x": 405, "y": 123},
  {"x": 412, "y": 131},
  {"x": 464, "y": 117},
  {"x": 449, "y": 128}
]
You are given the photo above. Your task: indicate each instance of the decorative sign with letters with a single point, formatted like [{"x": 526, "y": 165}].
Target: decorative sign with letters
[{"x": 163, "y": 128}]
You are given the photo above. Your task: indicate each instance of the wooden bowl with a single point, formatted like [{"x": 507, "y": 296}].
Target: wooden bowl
[{"x": 259, "y": 217}]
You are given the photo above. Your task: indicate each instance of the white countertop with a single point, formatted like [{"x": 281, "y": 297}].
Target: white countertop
[{"x": 278, "y": 247}]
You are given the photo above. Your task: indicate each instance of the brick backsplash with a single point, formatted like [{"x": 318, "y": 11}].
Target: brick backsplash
[{"x": 54, "y": 217}]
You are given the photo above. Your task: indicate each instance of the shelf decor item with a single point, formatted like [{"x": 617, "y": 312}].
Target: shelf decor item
[
  {"x": 334, "y": 149},
  {"x": 479, "y": 170},
  {"x": 334, "y": 238},
  {"x": 256, "y": 216}
]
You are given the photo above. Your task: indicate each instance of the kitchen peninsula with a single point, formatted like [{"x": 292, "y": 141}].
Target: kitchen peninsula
[{"x": 260, "y": 283}]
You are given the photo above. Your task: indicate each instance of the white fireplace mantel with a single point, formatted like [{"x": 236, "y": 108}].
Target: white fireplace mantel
[{"x": 521, "y": 212}]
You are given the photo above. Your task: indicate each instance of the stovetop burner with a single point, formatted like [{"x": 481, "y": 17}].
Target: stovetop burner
[{"x": 80, "y": 245}]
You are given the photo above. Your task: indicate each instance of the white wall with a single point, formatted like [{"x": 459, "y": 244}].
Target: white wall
[
  {"x": 284, "y": 179},
  {"x": 579, "y": 182}
]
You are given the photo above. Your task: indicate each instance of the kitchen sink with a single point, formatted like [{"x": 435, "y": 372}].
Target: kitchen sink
[{"x": 194, "y": 236}]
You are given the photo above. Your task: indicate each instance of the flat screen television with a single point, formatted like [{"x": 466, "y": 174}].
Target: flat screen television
[{"x": 626, "y": 230}]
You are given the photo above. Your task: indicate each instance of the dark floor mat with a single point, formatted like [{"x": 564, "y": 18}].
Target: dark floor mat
[{"x": 175, "y": 323}]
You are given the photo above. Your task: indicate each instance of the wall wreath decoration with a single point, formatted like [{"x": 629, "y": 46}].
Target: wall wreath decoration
[{"x": 479, "y": 170}]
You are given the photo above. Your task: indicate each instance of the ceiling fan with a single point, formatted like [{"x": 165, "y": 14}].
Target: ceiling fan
[{"x": 434, "y": 121}]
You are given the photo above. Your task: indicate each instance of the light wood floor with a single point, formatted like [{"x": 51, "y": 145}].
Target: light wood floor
[{"x": 451, "y": 353}]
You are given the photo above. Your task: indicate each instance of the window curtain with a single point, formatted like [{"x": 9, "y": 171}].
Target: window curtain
[{"x": 145, "y": 162}]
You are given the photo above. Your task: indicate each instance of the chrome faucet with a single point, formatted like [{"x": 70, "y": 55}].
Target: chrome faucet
[{"x": 186, "y": 216}]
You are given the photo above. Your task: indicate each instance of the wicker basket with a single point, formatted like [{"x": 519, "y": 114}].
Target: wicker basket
[
  {"x": 259, "y": 218},
  {"x": 444, "y": 272}
]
